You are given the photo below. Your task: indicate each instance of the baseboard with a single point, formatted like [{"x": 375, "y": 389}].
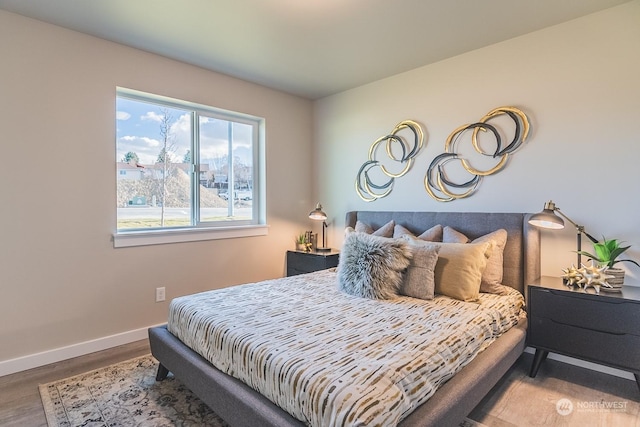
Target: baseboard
[
  {"x": 30, "y": 361},
  {"x": 587, "y": 365}
]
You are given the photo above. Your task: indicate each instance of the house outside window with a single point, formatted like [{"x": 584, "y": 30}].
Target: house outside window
[{"x": 186, "y": 171}]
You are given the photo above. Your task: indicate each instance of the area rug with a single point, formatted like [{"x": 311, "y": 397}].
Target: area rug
[
  {"x": 124, "y": 394},
  {"x": 127, "y": 394}
]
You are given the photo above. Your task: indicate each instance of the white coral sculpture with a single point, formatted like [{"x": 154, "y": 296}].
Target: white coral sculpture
[
  {"x": 585, "y": 277},
  {"x": 571, "y": 275},
  {"x": 594, "y": 276}
]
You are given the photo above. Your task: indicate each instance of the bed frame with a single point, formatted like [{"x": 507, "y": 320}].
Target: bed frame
[{"x": 241, "y": 406}]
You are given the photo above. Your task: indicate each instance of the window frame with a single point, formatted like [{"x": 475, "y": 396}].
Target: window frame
[{"x": 209, "y": 230}]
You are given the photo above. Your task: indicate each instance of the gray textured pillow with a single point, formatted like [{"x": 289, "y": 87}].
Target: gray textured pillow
[
  {"x": 419, "y": 281},
  {"x": 372, "y": 266},
  {"x": 399, "y": 231},
  {"x": 384, "y": 231},
  {"x": 451, "y": 235},
  {"x": 434, "y": 234}
]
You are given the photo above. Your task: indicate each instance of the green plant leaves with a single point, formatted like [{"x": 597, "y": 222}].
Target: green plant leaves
[{"x": 607, "y": 252}]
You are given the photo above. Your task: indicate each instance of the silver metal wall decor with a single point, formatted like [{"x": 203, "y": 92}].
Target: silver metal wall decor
[
  {"x": 365, "y": 187},
  {"x": 443, "y": 189}
]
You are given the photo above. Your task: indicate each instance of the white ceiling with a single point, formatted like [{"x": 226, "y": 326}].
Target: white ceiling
[{"x": 311, "y": 48}]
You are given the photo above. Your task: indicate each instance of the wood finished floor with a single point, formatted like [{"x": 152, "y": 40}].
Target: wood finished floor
[{"x": 517, "y": 400}]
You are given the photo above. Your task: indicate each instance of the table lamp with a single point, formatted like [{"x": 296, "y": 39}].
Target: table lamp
[
  {"x": 548, "y": 219},
  {"x": 319, "y": 215}
]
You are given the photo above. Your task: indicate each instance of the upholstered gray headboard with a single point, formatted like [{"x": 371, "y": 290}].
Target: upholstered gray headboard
[{"x": 521, "y": 253}]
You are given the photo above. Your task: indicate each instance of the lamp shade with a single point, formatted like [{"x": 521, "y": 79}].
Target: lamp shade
[
  {"x": 318, "y": 214},
  {"x": 547, "y": 218}
]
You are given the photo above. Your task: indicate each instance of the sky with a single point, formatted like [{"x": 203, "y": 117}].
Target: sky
[{"x": 138, "y": 130}]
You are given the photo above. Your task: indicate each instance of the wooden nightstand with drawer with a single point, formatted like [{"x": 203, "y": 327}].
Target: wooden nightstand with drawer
[
  {"x": 306, "y": 262},
  {"x": 601, "y": 328}
]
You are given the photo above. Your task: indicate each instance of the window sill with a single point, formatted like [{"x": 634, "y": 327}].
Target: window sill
[{"x": 161, "y": 237}]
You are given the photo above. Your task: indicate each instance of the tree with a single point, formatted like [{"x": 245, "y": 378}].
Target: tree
[
  {"x": 242, "y": 174},
  {"x": 164, "y": 157},
  {"x": 131, "y": 158},
  {"x": 187, "y": 157}
]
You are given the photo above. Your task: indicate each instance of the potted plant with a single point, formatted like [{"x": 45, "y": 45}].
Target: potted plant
[
  {"x": 301, "y": 242},
  {"x": 606, "y": 254}
]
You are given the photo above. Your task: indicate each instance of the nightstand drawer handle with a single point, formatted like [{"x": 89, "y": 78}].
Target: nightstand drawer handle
[{"x": 589, "y": 329}]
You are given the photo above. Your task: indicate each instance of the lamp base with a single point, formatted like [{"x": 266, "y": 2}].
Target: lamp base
[{"x": 323, "y": 249}]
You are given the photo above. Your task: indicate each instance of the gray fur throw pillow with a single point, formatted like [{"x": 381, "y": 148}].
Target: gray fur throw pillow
[{"x": 372, "y": 266}]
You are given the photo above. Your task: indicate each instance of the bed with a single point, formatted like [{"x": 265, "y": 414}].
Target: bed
[{"x": 241, "y": 405}]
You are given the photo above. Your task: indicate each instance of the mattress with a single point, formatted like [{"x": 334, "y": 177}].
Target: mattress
[{"x": 328, "y": 358}]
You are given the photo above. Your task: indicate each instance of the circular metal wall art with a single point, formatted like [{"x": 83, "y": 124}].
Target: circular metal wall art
[
  {"x": 376, "y": 179},
  {"x": 442, "y": 187},
  {"x": 366, "y": 188}
]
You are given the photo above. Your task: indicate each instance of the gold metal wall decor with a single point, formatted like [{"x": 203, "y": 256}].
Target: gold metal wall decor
[
  {"x": 365, "y": 187},
  {"x": 441, "y": 187}
]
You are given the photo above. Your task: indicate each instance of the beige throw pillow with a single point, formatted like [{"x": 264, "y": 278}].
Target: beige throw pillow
[
  {"x": 459, "y": 268},
  {"x": 492, "y": 276}
]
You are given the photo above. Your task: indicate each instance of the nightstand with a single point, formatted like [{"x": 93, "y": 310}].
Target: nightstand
[
  {"x": 601, "y": 328},
  {"x": 305, "y": 262}
]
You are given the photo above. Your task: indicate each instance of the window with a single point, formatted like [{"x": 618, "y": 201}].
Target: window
[{"x": 186, "y": 171}]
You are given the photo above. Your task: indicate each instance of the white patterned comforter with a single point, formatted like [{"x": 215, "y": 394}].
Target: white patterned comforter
[{"x": 331, "y": 359}]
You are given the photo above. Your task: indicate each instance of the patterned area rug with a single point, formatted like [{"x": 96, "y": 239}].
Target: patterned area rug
[{"x": 127, "y": 394}]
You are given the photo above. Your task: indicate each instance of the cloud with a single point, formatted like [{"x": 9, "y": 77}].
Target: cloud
[
  {"x": 182, "y": 126},
  {"x": 141, "y": 141},
  {"x": 147, "y": 149},
  {"x": 152, "y": 116},
  {"x": 181, "y": 135},
  {"x": 211, "y": 151},
  {"x": 122, "y": 115},
  {"x": 216, "y": 131}
]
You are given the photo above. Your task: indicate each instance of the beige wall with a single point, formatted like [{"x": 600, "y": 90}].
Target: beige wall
[
  {"x": 61, "y": 280},
  {"x": 579, "y": 83}
]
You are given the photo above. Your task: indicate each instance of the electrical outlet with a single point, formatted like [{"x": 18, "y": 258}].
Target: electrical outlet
[{"x": 160, "y": 294}]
